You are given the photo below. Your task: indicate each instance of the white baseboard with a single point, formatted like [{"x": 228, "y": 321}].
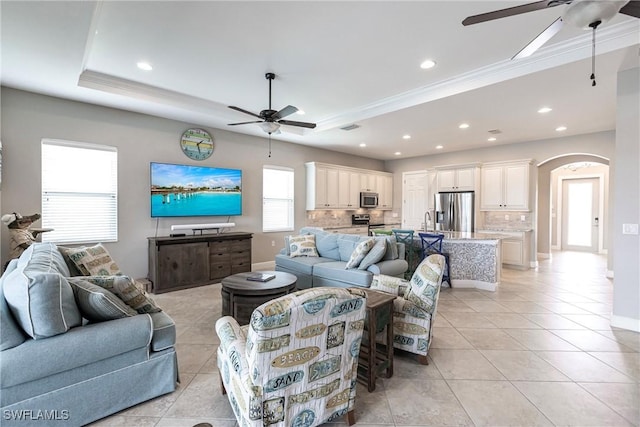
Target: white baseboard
[
  {"x": 268, "y": 265},
  {"x": 609, "y": 274},
  {"x": 464, "y": 283},
  {"x": 625, "y": 323},
  {"x": 544, "y": 255}
]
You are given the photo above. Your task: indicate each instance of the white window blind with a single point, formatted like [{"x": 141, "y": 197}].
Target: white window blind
[
  {"x": 277, "y": 199},
  {"x": 79, "y": 192}
]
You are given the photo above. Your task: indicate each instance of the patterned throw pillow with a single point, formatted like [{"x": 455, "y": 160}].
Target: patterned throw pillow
[
  {"x": 98, "y": 304},
  {"x": 92, "y": 261},
  {"x": 360, "y": 252},
  {"x": 425, "y": 283},
  {"x": 375, "y": 254},
  {"x": 127, "y": 290},
  {"x": 302, "y": 245}
]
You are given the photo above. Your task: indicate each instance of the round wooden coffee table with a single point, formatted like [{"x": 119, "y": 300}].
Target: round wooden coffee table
[{"x": 241, "y": 296}]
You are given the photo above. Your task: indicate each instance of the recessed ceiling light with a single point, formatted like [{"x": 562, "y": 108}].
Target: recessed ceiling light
[
  {"x": 301, "y": 112},
  {"x": 491, "y": 139},
  {"x": 363, "y": 145},
  {"x": 144, "y": 66},
  {"x": 561, "y": 128},
  {"x": 397, "y": 153},
  {"x": 439, "y": 147},
  {"x": 544, "y": 110},
  {"x": 429, "y": 63},
  {"x": 406, "y": 136},
  {"x": 463, "y": 125}
]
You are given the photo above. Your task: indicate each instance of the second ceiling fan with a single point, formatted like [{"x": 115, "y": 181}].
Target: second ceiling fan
[{"x": 270, "y": 120}]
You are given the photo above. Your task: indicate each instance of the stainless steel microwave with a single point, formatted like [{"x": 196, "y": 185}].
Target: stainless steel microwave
[{"x": 368, "y": 200}]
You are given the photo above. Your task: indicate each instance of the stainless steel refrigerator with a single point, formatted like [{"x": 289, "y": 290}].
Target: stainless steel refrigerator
[{"x": 454, "y": 211}]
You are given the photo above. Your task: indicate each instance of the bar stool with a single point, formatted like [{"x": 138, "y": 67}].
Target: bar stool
[
  {"x": 432, "y": 244},
  {"x": 411, "y": 252}
]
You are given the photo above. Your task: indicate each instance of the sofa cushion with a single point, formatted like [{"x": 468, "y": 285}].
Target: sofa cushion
[
  {"x": 127, "y": 290},
  {"x": 11, "y": 334},
  {"x": 336, "y": 271},
  {"x": 392, "y": 248},
  {"x": 93, "y": 261},
  {"x": 303, "y": 245},
  {"x": 375, "y": 254},
  {"x": 96, "y": 303},
  {"x": 300, "y": 264},
  {"x": 39, "y": 297},
  {"x": 346, "y": 245},
  {"x": 358, "y": 254},
  {"x": 327, "y": 245}
]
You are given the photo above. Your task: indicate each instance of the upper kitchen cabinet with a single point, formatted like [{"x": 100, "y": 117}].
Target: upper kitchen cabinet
[
  {"x": 339, "y": 187},
  {"x": 505, "y": 186},
  {"x": 456, "y": 178}
]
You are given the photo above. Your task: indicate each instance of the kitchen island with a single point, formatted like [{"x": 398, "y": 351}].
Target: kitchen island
[{"x": 475, "y": 260}]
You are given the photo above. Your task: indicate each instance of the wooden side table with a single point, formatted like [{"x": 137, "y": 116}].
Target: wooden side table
[
  {"x": 241, "y": 296},
  {"x": 376, "y": 358}
]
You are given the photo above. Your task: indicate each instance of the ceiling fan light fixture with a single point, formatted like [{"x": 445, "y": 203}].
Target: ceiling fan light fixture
[
  {"x": 269, "y": 127},
  {"x": 585, "y": 12}
]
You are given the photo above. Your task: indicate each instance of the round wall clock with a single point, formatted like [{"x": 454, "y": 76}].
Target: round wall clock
[{"x": 196, "y": 144}]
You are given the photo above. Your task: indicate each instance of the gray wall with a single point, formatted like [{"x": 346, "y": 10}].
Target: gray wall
[
  {"x": 626, "y": 207},
  {"x": 140, "y": 139}
]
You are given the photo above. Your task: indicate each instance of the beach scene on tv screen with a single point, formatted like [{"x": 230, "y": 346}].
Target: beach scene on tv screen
[{"x": 181, "y": 190}]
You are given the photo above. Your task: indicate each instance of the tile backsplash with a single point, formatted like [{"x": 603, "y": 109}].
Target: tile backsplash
[
  {"x": 506, "y": 220},
  {"x": 338, "y": 218}
]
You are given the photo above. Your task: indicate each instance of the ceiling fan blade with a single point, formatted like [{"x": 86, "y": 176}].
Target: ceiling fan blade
[
  {"x": 244, "y": 111},
  {"x": 541, "y": 39},
  {"x": 632, "y": 9},
  {"x": 510, "y": 11},
  {"x": 244, "y": 123},
  {"x": 299, "y": 124},
  {"x": 286, "y": 111}
]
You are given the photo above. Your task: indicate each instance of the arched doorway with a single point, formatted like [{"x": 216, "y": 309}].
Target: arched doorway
[{"x": 547, "y": 219}]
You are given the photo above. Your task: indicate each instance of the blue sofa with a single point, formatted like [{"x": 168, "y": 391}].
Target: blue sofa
[
  {"x": 334, "y": 251},
  {"x": 57, "y": 368}
]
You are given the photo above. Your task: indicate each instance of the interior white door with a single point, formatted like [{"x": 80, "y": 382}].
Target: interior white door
[
  {"x": 580, "y": 221},
  {"x": 414, "y": 199}
]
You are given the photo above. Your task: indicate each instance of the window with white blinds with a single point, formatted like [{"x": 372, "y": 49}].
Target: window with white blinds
[
  {"x": 79, "y": 192},
  {"x": 277, "y": 199}
]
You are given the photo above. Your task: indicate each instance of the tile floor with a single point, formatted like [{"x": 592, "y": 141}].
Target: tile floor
[{"x": 539, "y": 351}]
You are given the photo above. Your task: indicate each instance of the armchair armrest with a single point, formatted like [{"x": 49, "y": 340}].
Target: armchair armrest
[{"x": 389, "y": 284}]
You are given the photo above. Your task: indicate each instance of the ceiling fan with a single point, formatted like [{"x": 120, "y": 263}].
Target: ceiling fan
[
  {"x": 270, "y": 120},
  {"x": 579, "y": 13}
]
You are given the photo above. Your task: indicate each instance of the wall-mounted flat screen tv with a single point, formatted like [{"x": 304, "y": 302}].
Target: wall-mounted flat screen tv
[{"x": 183, "y": 190}]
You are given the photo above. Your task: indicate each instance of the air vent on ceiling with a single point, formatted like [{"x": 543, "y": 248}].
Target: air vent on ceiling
[
  {"x": 495, "y": 131},
  {"x": 350, "y": 127}
]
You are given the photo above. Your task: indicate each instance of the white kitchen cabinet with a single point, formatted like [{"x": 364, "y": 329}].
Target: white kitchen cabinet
[
  {"x": 384, "y": 187},
  {"x": 505, "y": 186},
  {"x": 512, "y": 252},
  {"x": 462, "y": 179},
  {"x": 515, "y": 247},
  {"x": 338, "y": 187}
]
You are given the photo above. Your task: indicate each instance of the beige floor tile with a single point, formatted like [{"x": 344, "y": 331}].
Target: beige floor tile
[
  {"x": 552, "y": 321},
  {"x": 595, "y": 307},
  {"x": 160, "y": 405},
  {"x": 430, "y": 402},
  {"x": 468, "y": 294},
  {"x": 486, "y": 402},
  {"x": 454, "y": 305},
  {"x": 523, "y": 366},
  {"x": 405, "y": 365},
  {"x": 190, "y": 422},
  {"x": 490, "y": 339},
  {"x": 581, "y": 366},
  {"x": 192, "y": 357},
  {"x": 567, "y": 403},
  {"x": 464, "y": 365},
  {"x": 524, "y": 307},
  {"x": 201, "y": 399},
  {"x": 627, "y": 363},
  {"x": 630, "y": 339},
  {"x": 591, "y": 341},
  {"x": 539, "y": 339},
  {"x": 622, "y": 398},
  {"x": 125, "y": 421},
  {"x": 591, "y": 321},
  {"x": 468, "y": 320},
  {"x": 372, "y": 407},
  {"x": 512, "y": 321},
  {"x": 199, "y": 333},
  {"x": 440, "y": 321},
  {"x": 448, "y": 338},
  {"x": 490, "y": 306}
]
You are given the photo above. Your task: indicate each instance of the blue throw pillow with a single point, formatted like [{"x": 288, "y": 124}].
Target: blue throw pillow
[{"x": 375, "y": 254}]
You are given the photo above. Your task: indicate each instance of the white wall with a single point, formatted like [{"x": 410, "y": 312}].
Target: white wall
[{"x": 27, "y": 118}]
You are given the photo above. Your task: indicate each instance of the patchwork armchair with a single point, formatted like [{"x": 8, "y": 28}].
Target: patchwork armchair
[
  {"x": 415, "y": 308},
  {"x": 296, "y": 363}
]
